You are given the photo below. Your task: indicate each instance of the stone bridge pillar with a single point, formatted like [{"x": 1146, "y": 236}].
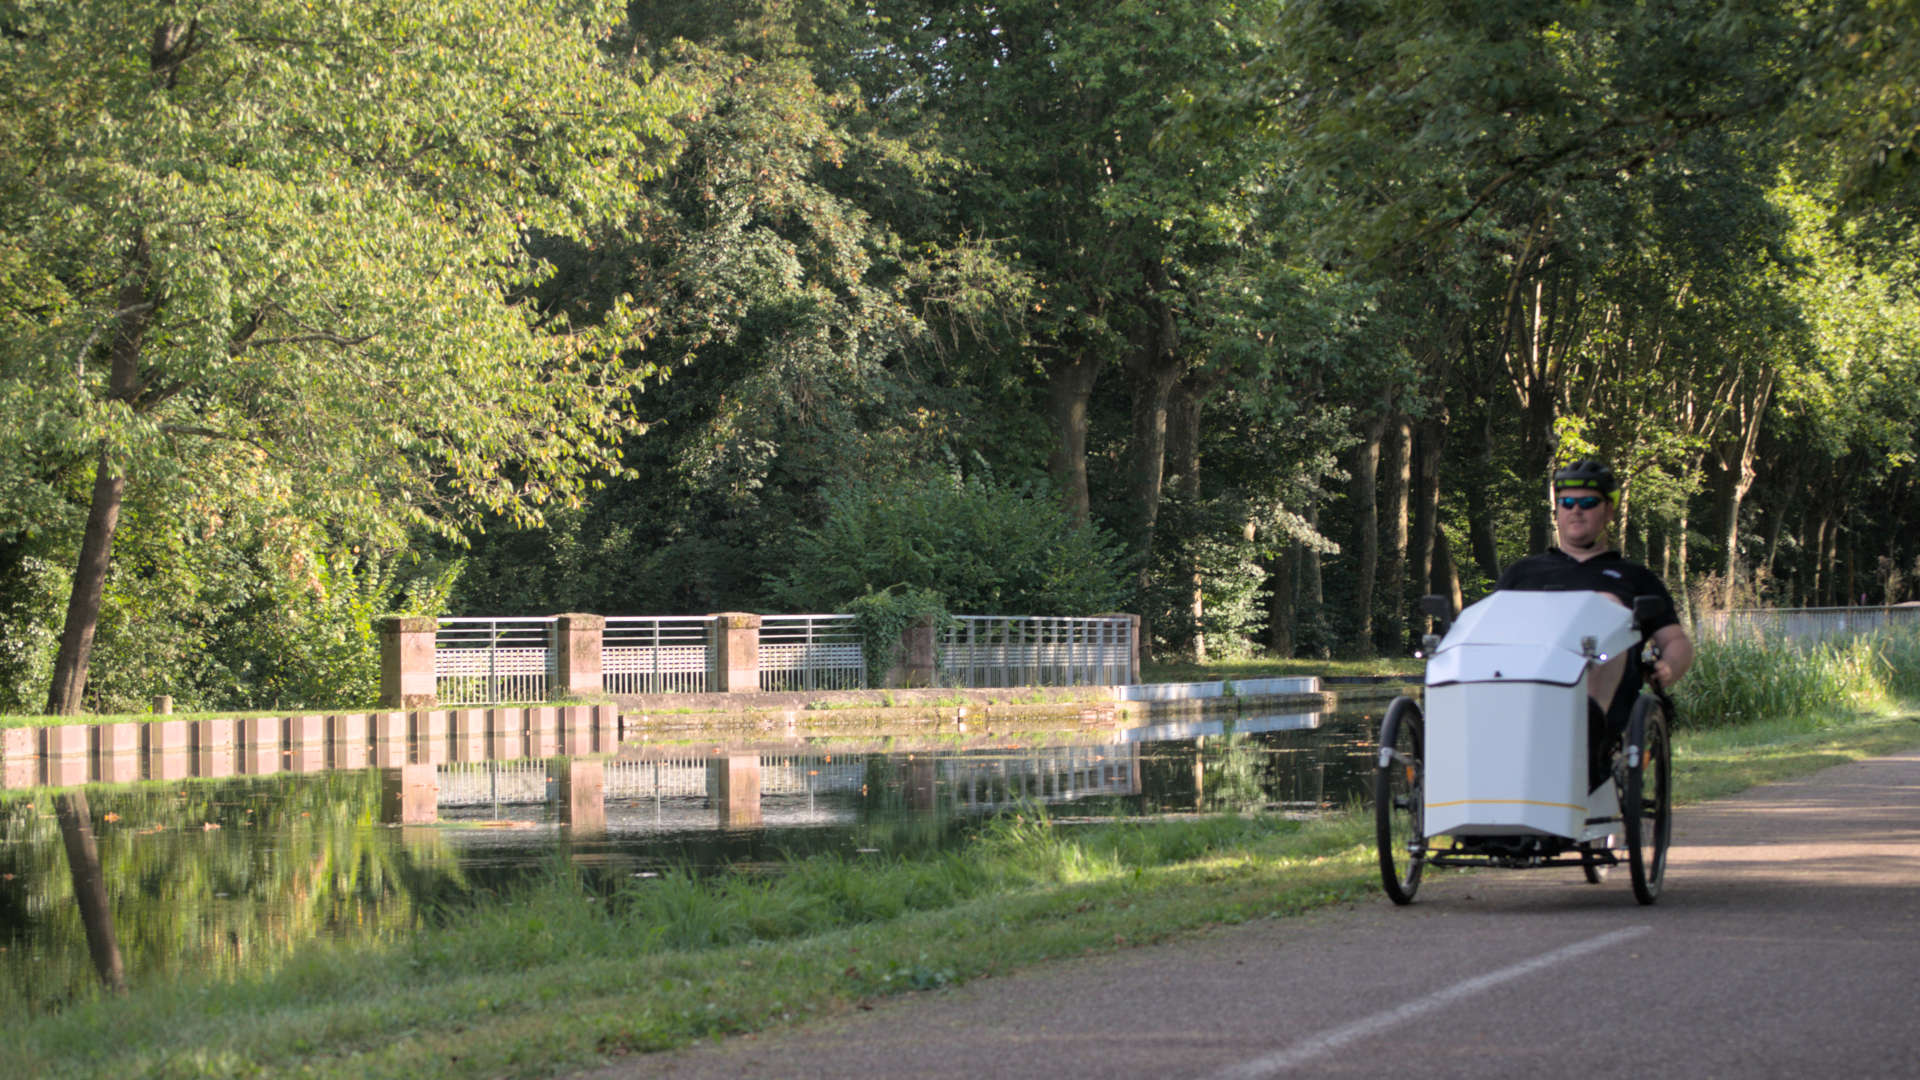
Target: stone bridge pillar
[
  {"x": 579, "y": 650},
  {"x": 406, "y": 661},
  {"x": 736, "y": 652},
  {"x": 915, "y": 666}
]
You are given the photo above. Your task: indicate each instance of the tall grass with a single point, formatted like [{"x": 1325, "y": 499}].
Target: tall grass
[{"x": 1748, "y": 680}]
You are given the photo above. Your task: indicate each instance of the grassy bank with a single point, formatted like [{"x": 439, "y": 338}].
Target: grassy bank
[{"x": 556, "y": 975}]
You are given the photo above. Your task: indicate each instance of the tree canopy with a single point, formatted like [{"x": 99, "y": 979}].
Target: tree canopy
[{"x": 511, "y": 306}]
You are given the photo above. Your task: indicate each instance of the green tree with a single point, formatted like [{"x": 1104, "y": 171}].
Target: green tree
[{"x": 273, "y": 258}]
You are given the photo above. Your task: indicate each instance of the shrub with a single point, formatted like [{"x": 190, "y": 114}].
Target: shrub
[{"x": 982, "y": 546}]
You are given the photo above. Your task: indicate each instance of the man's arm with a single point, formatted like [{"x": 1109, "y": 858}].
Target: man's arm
[{"x": 1676, "y": 655}]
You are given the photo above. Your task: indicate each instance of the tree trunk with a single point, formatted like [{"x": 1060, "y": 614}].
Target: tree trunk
[
  {"x": 1309, "y": 592},
  {"x": 1853, "y": 585},
  {"x": 1480, "y": 524},
  {"x": 1430, "y": 440},
  {"x": 89, "y": 585},
  {"x": 1817, "y": 564},
  {"x": 1154, "y": 368},
  {"x": 1776, "y": 518},
  {"x": 1680, "y": 567},
  {"x": 90, "y": 888},
  {"x": 1069, "y": 387},
  {"x": 1183, "y": 477},
  {"x": 1280, "y": 576},
  {"x": 1446, "y": 577},
  {"x": 124, "y": 385},
  {"x": 1365, "y": 465},
  {"x": 1396, "y": 462},
  {"x": 1737, "y": 458}
]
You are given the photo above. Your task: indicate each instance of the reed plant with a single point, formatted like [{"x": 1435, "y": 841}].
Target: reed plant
[{"x": 1744, "y": 680}]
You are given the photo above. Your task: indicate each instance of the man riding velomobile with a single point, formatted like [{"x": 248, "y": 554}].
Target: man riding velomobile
[{"x": 1583, "y": 504}]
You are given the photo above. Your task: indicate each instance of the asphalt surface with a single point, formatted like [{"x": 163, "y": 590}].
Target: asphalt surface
[{"x": 1787, "y": 944}]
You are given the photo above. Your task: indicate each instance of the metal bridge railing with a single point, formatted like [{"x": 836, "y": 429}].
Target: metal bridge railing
[
  {"x": 483, "y": 661},
  {"x": 812, "y": 652},
  {"x": 1015, "y": 650},
  {"x": 1803, "y": 624},
  {"x": 665, "y": 654}
]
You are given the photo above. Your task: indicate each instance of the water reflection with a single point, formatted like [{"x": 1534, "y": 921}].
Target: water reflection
[{"x": 229, "y": 875}]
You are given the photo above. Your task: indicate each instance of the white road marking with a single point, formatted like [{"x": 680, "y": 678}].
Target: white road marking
[{"x": 1327, "y": 1042}]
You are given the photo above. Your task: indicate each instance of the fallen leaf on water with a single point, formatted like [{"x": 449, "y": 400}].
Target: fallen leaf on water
[{"x": 209, "y": 826}]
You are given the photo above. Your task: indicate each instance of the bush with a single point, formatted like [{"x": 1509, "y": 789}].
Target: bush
[{"x": 983, "y": 547}]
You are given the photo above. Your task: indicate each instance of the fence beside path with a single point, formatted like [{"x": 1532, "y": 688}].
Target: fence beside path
[
  {"x": 479, "y": 661},
  {"x": 1804, "y": 624}
]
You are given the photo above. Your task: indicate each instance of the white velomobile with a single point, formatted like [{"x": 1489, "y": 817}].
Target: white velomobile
[{"x": 1494, "y": 772}]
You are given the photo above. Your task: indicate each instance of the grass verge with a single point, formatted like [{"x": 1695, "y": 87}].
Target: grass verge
[{"x": 557, "y": 976}]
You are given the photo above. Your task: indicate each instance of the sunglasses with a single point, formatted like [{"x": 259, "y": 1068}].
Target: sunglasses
[{"x": 1584, "y": 502}]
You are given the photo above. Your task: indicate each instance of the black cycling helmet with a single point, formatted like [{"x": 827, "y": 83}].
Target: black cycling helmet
[{"x": 1586, "y": 473}]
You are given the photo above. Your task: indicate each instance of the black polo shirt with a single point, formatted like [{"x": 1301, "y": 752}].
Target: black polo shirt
[{"x": 1609, "y": 572}]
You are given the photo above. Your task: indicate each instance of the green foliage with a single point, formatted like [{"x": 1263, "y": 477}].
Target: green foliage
[
  {"x": 886, "y": 614},
  {"x": 1207, "y": 544},
  {"x": 31, "y": 592},
  {"x": 269, "y": 262},
  {"x": 318, "y": 645},
  {"x": 1747, "y": 680},
  {"x": 984, "y": 547}
]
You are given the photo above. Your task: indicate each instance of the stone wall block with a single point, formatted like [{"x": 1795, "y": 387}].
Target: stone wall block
[
  {"x": 348, "y": 740},
  {"x": 506, "y": 733},
  {"x": 19, "y": 757},
  {"x": 214, "y": 747},
  {"x": 66, "y": 740},
  {"x": 543, "y": 731},
  {"x": 469, "y": 734},
  {"x": 116, "y": 739}
]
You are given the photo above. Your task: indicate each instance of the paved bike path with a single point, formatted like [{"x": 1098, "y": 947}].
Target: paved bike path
[{"x": 1787, "y": 945}]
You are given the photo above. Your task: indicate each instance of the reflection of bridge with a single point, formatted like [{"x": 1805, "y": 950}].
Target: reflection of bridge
[
  {"x": 977, "y": 777},
  {"x": 469, "y": 758},
  {"x": 734, "y": 784}
]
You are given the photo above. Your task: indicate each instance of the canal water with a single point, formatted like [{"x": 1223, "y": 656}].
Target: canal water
[{"x": 225, "y": 875}]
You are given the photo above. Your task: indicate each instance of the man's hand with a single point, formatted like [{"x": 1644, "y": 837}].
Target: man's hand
[{"x": 1675, "y": 655}]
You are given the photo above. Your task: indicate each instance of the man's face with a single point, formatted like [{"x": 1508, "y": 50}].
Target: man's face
[{"x": 1581, "y": 527}]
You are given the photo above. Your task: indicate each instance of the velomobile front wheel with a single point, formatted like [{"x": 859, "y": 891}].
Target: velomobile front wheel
[{"x": 1398, "y": 792}]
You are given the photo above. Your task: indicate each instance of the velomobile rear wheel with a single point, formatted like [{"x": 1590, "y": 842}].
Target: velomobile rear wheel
[{"x": 1646, "y": 802}]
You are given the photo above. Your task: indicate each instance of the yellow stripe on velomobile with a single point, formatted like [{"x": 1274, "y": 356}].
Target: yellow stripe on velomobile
[{"x": 1505, "y": 802}]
